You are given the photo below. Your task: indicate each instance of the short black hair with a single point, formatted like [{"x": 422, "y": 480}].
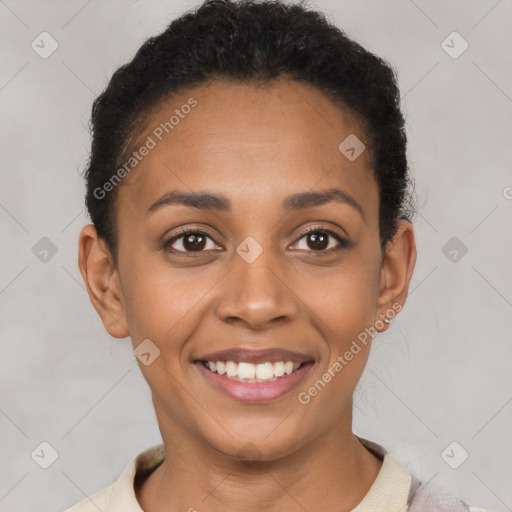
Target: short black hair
[{"x": 254, "y": 42}]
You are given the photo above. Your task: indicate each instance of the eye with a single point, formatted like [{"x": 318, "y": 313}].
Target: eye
[
  {"x": 190, "y": 240},
  {"x": 194, "y": 240},
  {"x": 317, "y": 240}
]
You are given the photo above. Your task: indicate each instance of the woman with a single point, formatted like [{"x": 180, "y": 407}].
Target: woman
[{"x": 251, "y": 232}]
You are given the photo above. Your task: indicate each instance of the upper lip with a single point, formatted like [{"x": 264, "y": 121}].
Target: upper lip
[{"x": 247, "y": 355}]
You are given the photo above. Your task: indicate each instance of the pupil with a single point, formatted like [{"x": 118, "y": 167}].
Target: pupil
[
  {"x": 315, "y": 237},
  {"x": 198, "y": 244}
]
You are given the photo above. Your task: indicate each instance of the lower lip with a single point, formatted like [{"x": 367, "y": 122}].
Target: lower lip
[{"x": 255, "y": 392}]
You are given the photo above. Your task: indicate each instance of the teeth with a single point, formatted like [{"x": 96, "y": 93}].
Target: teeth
[
  {"x": 264, "y": 371},
  {"x": 246, "y": 370},
  {"x": 253, "y": 372},
  {"x": 279, "y": 369},
  {"x": 231, "y": 369},
  {"x": 221, "y": 367}
]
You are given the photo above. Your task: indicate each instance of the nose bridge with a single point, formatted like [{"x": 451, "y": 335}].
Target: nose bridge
[{"x": 254, "y": 291}]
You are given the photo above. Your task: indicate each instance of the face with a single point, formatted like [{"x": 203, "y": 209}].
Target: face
[{"x": 271, "y": 277}]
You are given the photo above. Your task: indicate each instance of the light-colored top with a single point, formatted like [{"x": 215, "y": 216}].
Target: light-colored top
[{"x": 394, "y": 490}]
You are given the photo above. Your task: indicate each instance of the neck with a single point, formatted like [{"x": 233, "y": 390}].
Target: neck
[{"x": 333, "y": 472}]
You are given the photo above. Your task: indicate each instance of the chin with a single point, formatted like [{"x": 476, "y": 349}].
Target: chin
[{"x": 263, "y": 441}]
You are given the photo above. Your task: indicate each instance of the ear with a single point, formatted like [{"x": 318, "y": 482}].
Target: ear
[
  {"x": 102, "y": 281},
  {"x": 396, "y": 272}
]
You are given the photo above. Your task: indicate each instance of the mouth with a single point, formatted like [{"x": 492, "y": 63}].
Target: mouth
[
  {"x": 249, "y": 372},
  {"x": 254, "y": 376}
]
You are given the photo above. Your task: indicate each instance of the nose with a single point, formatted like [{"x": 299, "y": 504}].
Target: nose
[{"x": 257, "y": 294}]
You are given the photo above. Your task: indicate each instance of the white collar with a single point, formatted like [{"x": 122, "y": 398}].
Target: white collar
[{"x": 389, "y": 491}]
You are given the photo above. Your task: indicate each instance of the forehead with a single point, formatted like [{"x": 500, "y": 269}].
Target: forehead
[{"x": 249, "y": 141}]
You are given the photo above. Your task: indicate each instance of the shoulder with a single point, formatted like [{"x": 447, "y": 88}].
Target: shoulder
[
  {"x": 120, "y": 496},
  {"x": 436, "y": 498}
]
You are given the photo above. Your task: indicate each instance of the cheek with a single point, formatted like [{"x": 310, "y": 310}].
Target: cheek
[
  {"x": 346, "y": 299},
  {"x": 164, "y": 304},
  {"x": 345, "y": 304},
  {"x": 345, "y": 307}
]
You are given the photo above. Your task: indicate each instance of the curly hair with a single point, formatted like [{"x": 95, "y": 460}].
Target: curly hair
[{"x": 251, "y": 42}]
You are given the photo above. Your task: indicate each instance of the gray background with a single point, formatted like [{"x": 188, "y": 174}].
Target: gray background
[{"x": 440, "y": 374}]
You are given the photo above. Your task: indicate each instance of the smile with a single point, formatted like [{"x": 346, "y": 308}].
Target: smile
[
  {"x": 248, "y": 372},
  {"x": 254, "y": 376}
]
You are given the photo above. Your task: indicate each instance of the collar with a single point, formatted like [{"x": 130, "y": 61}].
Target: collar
[{"x": 389, "y": 491}]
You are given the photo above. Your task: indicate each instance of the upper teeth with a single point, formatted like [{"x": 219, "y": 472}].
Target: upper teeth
[{"x": 262, "y": 371}]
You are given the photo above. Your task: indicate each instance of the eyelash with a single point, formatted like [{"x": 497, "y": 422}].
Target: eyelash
[{"x": 343, "y": 243}]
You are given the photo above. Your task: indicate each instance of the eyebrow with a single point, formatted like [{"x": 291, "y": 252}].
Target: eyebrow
[{"x": 211, "y": 201}]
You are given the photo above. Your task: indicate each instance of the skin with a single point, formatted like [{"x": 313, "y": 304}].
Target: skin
[{"x": 256, "y": 146}]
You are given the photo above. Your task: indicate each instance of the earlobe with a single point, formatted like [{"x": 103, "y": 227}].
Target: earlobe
[
  {"x": 102, "y": 281},
  {"x": 396, "y": 272}
]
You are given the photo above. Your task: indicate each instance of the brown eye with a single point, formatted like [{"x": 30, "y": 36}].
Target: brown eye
[
  {"x": 317, "y": 241},
  {"x": 195, "y": 242},
  {"x": 190, "y": 241},
  {"x": 321, "y": 240}
]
